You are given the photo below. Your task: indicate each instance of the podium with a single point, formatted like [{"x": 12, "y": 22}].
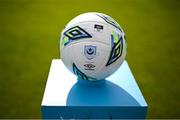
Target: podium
[{"x": 117, "y": 97}]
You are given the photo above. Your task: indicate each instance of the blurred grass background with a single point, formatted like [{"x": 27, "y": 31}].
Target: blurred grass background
[{"x": 29, "y": 35}]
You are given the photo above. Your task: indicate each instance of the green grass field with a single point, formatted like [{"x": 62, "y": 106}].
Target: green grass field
[{"x": 29, "y": 36}]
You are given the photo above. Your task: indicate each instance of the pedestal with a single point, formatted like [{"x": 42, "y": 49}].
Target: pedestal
[{"x": 117, "y": 97}]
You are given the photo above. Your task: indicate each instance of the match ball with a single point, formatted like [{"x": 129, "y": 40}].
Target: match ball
[{"x": 92, "y": 46}]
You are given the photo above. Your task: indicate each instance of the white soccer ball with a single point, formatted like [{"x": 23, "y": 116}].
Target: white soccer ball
[{"x": 92, "y": 46}]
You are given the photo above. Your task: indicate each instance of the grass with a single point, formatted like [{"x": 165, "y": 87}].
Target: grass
[{"x": 29, "y": 36}]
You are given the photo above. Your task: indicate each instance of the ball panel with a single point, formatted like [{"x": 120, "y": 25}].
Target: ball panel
[
  {"x": 86, "y": 17},
  {"x": 99, "y": 32}
]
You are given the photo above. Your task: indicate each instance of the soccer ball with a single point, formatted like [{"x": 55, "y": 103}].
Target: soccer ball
[{"x": 92, "y": 46}]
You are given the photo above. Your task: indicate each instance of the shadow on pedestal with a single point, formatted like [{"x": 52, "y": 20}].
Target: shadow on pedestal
[{"x": 99, "y": 93}]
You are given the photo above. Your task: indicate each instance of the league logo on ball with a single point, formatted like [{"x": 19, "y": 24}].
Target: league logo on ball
[{"x": 90, "y": 51}]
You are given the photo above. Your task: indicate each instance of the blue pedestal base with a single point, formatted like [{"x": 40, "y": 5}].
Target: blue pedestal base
[{"x": 117, "y": 97}]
